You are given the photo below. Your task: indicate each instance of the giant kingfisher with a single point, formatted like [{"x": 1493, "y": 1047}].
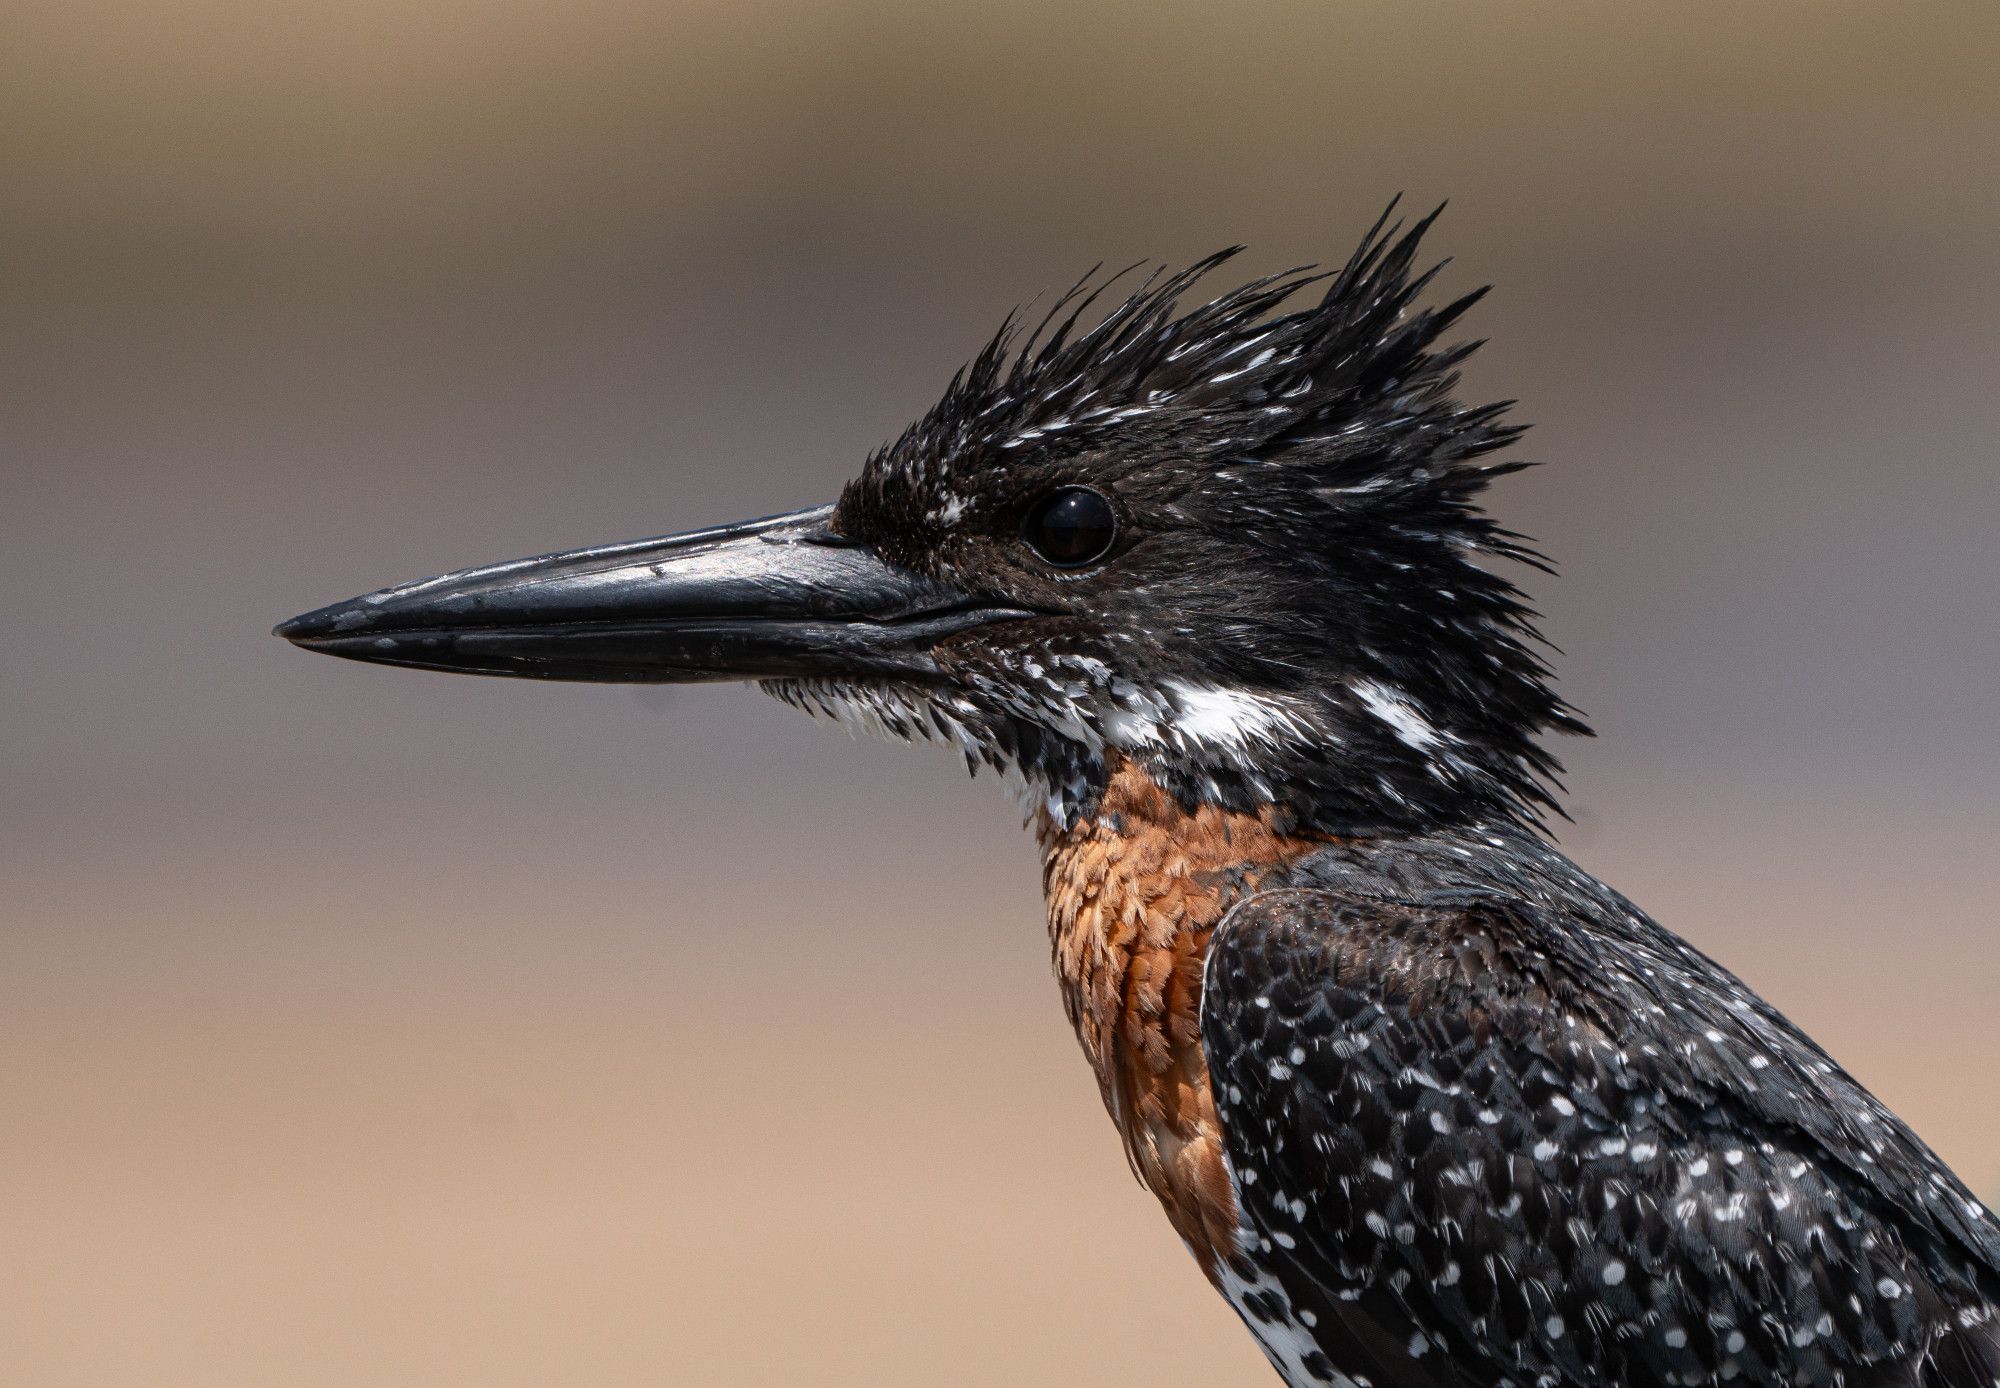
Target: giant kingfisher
[{"x": 1430, "y": 1105}]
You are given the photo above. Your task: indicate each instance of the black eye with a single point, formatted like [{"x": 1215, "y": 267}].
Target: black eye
[{"x": 1072, "y": 527}]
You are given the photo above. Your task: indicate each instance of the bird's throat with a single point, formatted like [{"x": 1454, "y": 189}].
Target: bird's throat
[{"x": 1133, "y": 892}]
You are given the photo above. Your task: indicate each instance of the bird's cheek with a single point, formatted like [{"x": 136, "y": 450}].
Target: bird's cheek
[{"x": 968, "y": 659}]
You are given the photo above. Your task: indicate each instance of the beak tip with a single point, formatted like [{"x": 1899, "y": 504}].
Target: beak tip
[{"x": 316, "y": 625}]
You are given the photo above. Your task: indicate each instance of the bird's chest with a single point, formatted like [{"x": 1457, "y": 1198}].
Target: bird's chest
[{"x": 1133, "y": 895}]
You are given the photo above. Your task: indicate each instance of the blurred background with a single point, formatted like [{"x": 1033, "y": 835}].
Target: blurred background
[{"x": 361, "y": 1026}]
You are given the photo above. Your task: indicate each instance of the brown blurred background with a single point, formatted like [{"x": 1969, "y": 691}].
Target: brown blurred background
[{"x": 360, "y": 1026}]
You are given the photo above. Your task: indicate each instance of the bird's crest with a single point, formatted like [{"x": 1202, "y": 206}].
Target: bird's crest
[
  {"x": 1299, "y": 494},
  {"x": 1354, "y": 383}
]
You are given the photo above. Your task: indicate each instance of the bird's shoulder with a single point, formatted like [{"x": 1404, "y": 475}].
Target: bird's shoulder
[{"x": 1536, "y": 1118}]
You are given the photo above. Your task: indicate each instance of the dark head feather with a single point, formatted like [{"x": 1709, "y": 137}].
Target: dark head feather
[{"x": 1301, "y": 543}]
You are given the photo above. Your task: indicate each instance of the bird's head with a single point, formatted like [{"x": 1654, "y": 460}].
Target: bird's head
[{"x": 1235, "y": 545}]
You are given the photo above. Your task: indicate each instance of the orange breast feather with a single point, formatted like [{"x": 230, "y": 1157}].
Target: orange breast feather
[{"x": 1133, "y": 893}]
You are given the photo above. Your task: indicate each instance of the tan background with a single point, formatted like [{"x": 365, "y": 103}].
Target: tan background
[{"x": 367, "y": 1027}]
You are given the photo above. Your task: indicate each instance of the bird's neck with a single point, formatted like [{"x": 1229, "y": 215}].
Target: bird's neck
[{"x": 1134, "y": 891}]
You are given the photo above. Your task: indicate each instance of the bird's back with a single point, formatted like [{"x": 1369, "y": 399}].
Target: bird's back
[{"x": 1488, "y": 1123}]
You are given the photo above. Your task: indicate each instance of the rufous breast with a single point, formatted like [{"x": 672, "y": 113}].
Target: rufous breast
[{"x": 1134, "y": 891}]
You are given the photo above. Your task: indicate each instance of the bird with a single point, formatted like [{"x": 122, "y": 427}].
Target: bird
[{"x": 1210, "y": 581}]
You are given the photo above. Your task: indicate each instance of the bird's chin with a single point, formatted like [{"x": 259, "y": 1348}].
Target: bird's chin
[{"x": 899, "y": 709}]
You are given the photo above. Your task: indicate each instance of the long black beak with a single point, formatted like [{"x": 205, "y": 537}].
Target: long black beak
[{"x": 772, "y": 598}]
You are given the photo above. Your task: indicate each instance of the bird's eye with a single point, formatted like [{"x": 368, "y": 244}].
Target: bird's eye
[{"x": 1072, "y": 527}]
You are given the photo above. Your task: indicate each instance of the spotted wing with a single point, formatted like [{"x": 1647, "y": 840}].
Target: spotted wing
[{"x": 1503, "y": 1147}]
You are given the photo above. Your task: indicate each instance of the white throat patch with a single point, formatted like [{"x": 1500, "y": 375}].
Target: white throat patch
[{"x": 1236, "y": 718}]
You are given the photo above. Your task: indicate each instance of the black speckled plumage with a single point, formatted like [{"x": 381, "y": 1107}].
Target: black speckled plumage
[
  {"x": 1435, "y": 1109},
  {"x": 1480, "y": 1104}
]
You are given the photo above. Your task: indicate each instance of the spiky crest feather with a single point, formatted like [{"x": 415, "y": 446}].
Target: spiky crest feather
[{"x": 1310, "y": 484}]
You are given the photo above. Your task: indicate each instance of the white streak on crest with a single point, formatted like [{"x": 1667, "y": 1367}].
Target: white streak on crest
[{"x": 1371, "y": 484}]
